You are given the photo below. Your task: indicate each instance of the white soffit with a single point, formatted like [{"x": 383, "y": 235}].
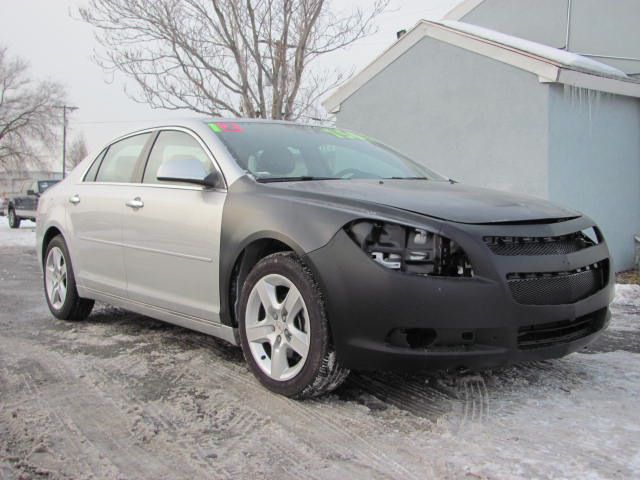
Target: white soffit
[{"x": 549, "y": 64}]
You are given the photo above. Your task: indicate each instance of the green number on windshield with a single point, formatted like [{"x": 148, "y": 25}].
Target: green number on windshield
[{"x": 344, "y": 134}]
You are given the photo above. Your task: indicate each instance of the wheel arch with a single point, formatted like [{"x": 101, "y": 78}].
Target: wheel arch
[
  {"x": 254, "y": 249},
  {"x": 51, "y": 232}
]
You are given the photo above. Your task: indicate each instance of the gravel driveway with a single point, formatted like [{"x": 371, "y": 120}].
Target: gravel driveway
[{"x": 124, "y": 396}]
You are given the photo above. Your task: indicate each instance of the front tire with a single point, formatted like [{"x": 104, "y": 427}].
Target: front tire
[
  {"x": 284, "y": 330},
  {"x": 14, "y": 220},
  {"x": 60, "y": 284}
]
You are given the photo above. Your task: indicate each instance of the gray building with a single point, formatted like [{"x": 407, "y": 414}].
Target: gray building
[
  {"x": 14, "y": 181},
  {"x": 503, "y": 112},
  {"x": 603, "y": 30}
]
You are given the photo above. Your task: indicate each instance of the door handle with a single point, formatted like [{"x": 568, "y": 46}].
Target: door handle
[
  {"x": 135, "y": 203},
  {"x": 75, "y": 199}
]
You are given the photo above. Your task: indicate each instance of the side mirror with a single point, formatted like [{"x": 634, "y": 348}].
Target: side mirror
[
  {"x": 30, "y": 192},
  {"x": 188, "y": 171}
]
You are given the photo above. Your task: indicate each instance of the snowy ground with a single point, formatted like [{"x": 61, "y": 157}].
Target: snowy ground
[
  {"x": 124, "y": 396},
  {"x": 25, "y": 236}
]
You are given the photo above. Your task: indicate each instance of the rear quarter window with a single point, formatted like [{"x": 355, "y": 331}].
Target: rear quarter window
[{"x": 90, "y": 176}]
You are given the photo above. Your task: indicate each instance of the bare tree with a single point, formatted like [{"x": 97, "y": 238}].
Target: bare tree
[
  {"x": 245, "y": 58},
  {"x": 27, "y": 114},
  {"x": 77, "y": 151}
]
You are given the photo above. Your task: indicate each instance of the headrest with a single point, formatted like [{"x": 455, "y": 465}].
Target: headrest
[
  {"x": 276, "y": 161},
  {"x": 121, "y": 169}
]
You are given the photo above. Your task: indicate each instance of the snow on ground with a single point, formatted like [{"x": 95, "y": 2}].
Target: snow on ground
[
  {"x": 124, "y": 396},
  {"x": 25, "y": 236},
  {"x": 627, "y": 295},
  {"x": 626, "y": 308}
]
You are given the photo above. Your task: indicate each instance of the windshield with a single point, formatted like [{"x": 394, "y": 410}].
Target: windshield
[{"x": 284, "y": 152}]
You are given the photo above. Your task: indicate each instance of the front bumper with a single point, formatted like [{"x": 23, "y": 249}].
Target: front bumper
[{"x": 383, "y": 319}]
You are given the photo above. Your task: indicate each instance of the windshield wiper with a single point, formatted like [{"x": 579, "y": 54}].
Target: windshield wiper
[
  {"x": 407, "y": 178},
  {"x": 303, "y": 178}
]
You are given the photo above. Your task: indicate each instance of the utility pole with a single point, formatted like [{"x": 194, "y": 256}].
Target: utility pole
[{"x": 64, "y": 134}]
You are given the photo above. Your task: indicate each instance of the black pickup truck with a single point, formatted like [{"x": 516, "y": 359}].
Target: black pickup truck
[{"x": 24, "y": 205}]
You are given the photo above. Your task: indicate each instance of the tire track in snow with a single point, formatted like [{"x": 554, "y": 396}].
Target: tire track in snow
[
  {"x": 151, "y": 420},
  {"x": 238, "y": 422},
  {"x": 70, "y": 438},
  {"x": 472, "y": 401},
  {"x": 371, "y": 453},
  {"x": 151, "y": 415},
  {"x": 411, "y": 394},
  {"x": 96, "y": 426},
  {"x": 50, "y": 422},
  {"x": 241, "y": 376},
  {"x": 325, "y": 428}
]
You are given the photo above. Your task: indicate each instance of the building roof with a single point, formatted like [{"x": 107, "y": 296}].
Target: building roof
[
  {"x": 551, "y": 65},
  {"x": 462, "y": 9},
  {"x": 561, "y": 57}
]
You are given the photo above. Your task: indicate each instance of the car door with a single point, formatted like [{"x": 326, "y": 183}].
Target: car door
[
  {"x": 95, "y": 212},
  {"x": 171, "y": 233},
  {"x": 21, "y": 201},
  {"x": 31, "y": 199}
]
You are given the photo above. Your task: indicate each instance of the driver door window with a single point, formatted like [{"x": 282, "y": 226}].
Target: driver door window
[{"x": 174, "y": 145}]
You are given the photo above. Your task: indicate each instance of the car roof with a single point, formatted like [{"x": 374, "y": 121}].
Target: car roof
[{"x": 197, "y": 122}]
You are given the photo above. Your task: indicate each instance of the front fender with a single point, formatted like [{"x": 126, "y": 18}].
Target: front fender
[{"x": 305, "y": 223}]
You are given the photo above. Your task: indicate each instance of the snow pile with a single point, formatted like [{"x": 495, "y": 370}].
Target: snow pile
[
  {"x": 25, "y": 236},
  {"x": 628, "y": 295},
  {"x": 564, "y": 58},
  {"x": 625, "y": 309}
]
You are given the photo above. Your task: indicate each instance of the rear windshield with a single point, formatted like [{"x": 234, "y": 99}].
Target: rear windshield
[
  {"x": 44, "y": 184},
  {"x": 285, "y": 152}
]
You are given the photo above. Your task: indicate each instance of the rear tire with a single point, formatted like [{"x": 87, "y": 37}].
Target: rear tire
[
  {"x": 290, "y": 352},
  {"x": 60, "y": 284},
  {"x": 14, "y": 220}
]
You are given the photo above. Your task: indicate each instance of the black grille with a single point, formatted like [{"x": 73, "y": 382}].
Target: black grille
[
  {"x": 562, "y": 245},
  {"x": 549, "y": 334},
  {"x": 557, "y": 288}
]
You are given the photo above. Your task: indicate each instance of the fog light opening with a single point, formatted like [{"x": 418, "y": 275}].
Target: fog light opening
[
  {"x": 468, "y": 336},
  {"x": 414, "y": 338}
]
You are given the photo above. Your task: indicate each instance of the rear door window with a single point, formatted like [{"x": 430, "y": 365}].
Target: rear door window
[
  {"x": 45, "y": 184},
  {"x": 119, "y": 163}
]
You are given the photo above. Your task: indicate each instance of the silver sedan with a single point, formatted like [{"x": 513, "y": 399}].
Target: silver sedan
[{"x": 319, "y": 250}]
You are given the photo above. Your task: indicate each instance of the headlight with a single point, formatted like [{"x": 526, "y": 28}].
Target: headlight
[{"x": 409, "y": 249}]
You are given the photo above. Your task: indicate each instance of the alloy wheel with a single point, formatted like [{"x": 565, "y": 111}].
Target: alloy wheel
[
  {"x": 277, "y": 327},
  {"x": 56, "y": 278}
]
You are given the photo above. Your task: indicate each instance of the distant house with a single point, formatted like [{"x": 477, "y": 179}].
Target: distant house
[{"x": 504, "y": 112}]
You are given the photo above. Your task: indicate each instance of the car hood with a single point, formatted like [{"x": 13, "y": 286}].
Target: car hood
[{"x": 444, "y": 200}]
